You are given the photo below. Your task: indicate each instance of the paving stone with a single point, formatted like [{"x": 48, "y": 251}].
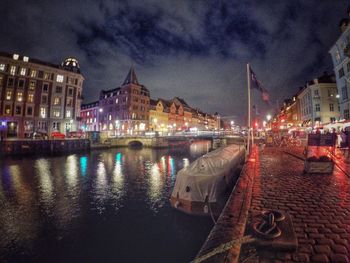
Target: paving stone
[
  {"x": 339, "y": 258},
  {"x": 321, "y": 258},
  {"x": 339, "y": 249},
  {"x": 301, "y": 257},
  {"x": 322, "y": 249}
]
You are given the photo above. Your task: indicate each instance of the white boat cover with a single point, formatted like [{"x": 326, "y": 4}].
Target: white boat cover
[{"x": 209, "y": 175}]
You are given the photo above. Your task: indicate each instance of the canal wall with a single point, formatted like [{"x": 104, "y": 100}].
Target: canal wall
[
  {"x": 20, "y": 147},
  {"x": 224, "y": 241}
]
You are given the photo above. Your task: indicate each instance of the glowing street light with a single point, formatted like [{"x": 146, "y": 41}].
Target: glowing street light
[{"x": 268, "y": 117}]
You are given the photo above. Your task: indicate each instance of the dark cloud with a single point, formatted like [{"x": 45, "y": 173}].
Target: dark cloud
[{"x": 193, "y": 49}]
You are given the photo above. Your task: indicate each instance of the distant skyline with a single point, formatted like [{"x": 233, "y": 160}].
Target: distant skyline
[{"x": 196, "y": 50}]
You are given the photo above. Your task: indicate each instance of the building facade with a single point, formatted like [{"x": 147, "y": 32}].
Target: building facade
[
  {"x": 340, "y": 53},
  {"x": 125, "y": 110},
  {"x": 90, "y": 116},
  {"x": 319, "y": 102},
  {"x": 37, "y": 96}
]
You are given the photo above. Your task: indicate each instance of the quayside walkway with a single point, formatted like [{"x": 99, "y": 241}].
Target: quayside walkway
[{"x": 319, "y": 206}]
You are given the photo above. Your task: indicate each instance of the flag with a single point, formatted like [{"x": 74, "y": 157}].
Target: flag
[{"x": 258, "y": 85}]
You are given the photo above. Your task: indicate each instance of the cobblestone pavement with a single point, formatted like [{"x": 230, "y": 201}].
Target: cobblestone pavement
[{"x": 318, "y": 204}]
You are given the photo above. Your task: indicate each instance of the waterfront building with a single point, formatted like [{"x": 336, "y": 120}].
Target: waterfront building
[
  {"x": 90, "y": 116},
  {"x": 37, "y": 96},
  {"x": 318, "y": 102},
  {"x": 340, "y": 53},
  {"x": 158, "y": 115},
  {"x": 125, "y": 110}
]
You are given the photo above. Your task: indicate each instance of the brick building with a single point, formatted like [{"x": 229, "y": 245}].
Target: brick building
[{"x": 90, "y": 116}]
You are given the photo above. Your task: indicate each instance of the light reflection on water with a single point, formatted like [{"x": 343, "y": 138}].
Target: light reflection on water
[{"x": 46, "y": 201}]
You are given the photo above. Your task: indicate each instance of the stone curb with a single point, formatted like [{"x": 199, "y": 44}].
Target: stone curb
[{"x": 230, "y": 226}]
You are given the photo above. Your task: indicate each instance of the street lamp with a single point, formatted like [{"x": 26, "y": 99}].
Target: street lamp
[
  {"x": 100, "y": 110},
  {"x": 268, "y": 117}
]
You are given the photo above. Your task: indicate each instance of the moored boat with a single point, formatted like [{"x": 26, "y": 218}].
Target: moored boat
[{"x": 200, "y": 187}]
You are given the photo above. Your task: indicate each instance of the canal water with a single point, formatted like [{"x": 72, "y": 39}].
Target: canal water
[{"x": 103, "y": 206}]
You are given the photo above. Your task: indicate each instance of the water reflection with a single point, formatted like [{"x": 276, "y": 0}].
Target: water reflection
[
  {"x": 109, "y": 196},
  {"x": 42, "y": 169}
]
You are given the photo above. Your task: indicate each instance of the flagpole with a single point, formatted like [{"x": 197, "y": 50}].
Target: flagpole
[{"x": 248, "y": 86}]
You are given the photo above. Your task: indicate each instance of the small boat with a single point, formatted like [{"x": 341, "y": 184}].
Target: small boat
[{"x": 200, "y": 187}]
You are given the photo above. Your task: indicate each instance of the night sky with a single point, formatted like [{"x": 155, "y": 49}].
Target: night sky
[{"x": 196, "y": 50}]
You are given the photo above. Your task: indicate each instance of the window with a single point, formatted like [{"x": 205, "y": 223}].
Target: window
[
  {"x": 7, "y": 109},
  {"x": 341, "y": 72},
  {"x": 68, "y": 114},
  {"x": 15, "y": 56},
  {"x": 56, "y": 113},
  {"x": 57, "y": 101},
  {"x": 317, "y": 107},
  {"x": 110, "y": 117},
  {"x": 47, "y": 76},
  {"x": 13, "y": 70},
  {"x": 331, "y": 107},
  {"x": 332, "y": 119},
  {"x": 116, "y": 101},
  {"x": 33, "y": 73},
  {"x": 70, "y": 92},
  {"x": 29, "y": 111},
  {"x": 43, "y": 99},
  {"x": 19, "y": 96},
  {"x": 59, "y": 78},
  {"x": 30, "y": 97},
  {"x": 10, "y": 82},
  {"x": 23, "y": 71},
  {"x": 346, "y": 114},
  {"x": 316, "y": 92},
  {"x": 2, "y": 67},
  {"x": 58, "y": 89},
  {"x": 69, "y": 102},
  {"x": 43, "y": 112},
  {"x": 25, "y": 59},
  {"x": 45, "y": 87},
  {"x": 88, "y": 113},
  {"x": 8, "y": 95},
  {"x": 1, "y": 80},
  {"x": 344, "y": 93},
  {"x": 21, "y": 83},
  {"x": 32, "y": 85},
  {"x": 18, "y": 110}
]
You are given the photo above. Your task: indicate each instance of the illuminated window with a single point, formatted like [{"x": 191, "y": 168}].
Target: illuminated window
[
  {"x": 7, "y": 109},
  {"x": 23, "y": 71},
  {"x": 13, "y": 70},
  {"x": 69, "y": 102},
  {"x": 15, "y": 56},
  {"x": 32, "y": 85},
  {"x": 42, "y": 112},
  {"x": 25, "y": 59},
  {"x": 47, "y": 76},
  {"x": 116, "y": 101},
  {"x": 68, "y": 114},
  {"x": 8, "y": 95},
  {"x": 2, "y": 67},
  {"x": 88, "y": 113},
  {"x": 111, "y": 126},
  {"x": 110, "y": 117},
  {"x": 30, "y": 97},
  {"x": 1, "y": 80},
  {"x": 19, "y": 96},
  {"x": 33, "y": 73},
  {"x": 59, "y": 78},
  {"x": 57, "y": 101},
  {"x": 56, "y": 113}
]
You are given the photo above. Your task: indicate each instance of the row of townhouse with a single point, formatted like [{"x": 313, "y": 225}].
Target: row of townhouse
[
  {"x": 314, "y": 106},
  {"x": 129, "y": 110}
]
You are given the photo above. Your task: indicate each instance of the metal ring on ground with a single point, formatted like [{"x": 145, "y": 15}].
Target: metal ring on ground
[
  {"x": 268, "y": 232},
  {"x": 278, "y": 215}
]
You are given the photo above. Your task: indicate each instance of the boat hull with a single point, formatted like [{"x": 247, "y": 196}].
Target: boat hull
[{"x": 195, "y": 207}]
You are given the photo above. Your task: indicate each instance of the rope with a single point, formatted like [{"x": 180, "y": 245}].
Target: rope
[
  {"x": 211, "y": 214},
  {"x": 224, "y": 247}
]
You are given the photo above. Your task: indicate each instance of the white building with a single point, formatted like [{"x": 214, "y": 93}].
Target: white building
[
  {"x": 318, "y": 102},
  {"x": 340, "y": 53}
]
